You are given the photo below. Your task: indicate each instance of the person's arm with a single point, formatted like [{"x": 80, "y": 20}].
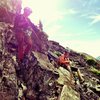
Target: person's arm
[
  {"x": 63, "y": 60},
  {"x": 67, "y": 61}
]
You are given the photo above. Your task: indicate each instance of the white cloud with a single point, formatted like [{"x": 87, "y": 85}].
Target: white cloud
[
  {"x": 58, "y": 29},
  {"x": 90, "y": 47},
  {"x": 58, "y": 15},
  {"x": 71, "y": 11},
  {"x": 95, "y": 19},
  {"x": 54, "y": 29}
]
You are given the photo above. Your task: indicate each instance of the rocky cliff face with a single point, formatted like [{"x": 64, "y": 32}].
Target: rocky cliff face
[
  {"x": 36, "y": 78},
  {"x": 8, "y": 9}
]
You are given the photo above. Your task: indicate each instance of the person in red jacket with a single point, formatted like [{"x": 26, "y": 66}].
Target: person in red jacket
[
  {"x": 65, "y": 62},
  {"x": 23, "y": 32}
]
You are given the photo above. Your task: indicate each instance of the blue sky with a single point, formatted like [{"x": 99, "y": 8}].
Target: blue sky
[{"x": 72, "y": 23}]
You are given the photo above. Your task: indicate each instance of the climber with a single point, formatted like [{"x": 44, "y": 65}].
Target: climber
[
  {"x": 23, "y": 32},
  {"x": 64, "y": 61}
]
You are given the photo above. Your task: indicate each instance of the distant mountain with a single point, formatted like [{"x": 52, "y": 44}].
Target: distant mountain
[{"x": 98, "y": 58}]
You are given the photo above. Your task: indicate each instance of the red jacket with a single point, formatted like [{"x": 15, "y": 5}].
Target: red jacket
[{"x": 63, "y": 60}]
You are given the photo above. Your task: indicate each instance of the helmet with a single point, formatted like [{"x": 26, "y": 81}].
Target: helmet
[{"x": 27, "y": 9}]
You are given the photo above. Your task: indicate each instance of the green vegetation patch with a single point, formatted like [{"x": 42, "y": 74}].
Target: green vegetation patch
[
  {"x": 89, "y": 59},
  {"x": 91, "y": 62},
  {"x": 95, "y": 71},
  {"x": 57, "y": 53}
]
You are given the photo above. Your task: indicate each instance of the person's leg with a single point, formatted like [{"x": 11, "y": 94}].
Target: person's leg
[
  {"x": 74, "y": 69},
  {"x": 69, "y": 68},
  {"x": 66, "y": 66},
  {"x": 28, "y": 41},
  {"x": 79, "y": 75},
  {"x": 71, "y": 73},
  {"x": 20, "y": 40}
]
